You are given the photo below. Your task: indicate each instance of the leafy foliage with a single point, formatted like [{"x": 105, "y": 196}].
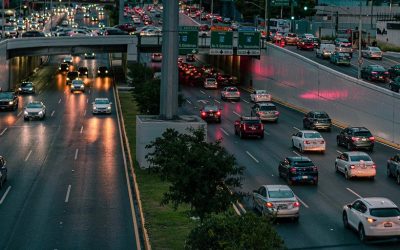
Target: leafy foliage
[
  {"x": 201, "y": 173},
  {"x": 229, "y": 231}
]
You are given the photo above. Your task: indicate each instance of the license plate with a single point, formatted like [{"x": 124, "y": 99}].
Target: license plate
[
  {"x": 253, "y": 128},
  {"x": 363, "y": 139},
  {"x": 315, "y": 142},
  {"x": 304, "y": 177},
  {"x": 211, "y": 115},
  {"x": 282, "y": 206},
  {"x": 387, "y": 224}
]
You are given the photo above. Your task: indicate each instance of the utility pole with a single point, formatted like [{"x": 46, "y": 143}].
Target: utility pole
[
  {"x": 359, "y": 44},
  {"x": 267, "y": 16},
  {"x": 3, "y": 22}
]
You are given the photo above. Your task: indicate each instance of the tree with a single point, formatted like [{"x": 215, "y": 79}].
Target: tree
[
  {"x": 201, "y": 173},
  {"x": 229, "y": 231},
  {"x": 147, "y": 96}
]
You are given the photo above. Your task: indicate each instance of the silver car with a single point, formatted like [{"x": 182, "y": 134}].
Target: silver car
[
  {"x": 77, "y": 85},
  {"x": 276, "y": 200},
  {"x": 34, "y": 110},
  {"x": 210, "y": 83},
  {"x": 355, "y": 164},
  {"x": 101, "y": 106},
  {"x": 266, "y": 111}
]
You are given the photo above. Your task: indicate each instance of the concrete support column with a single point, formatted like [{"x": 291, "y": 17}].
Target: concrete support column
[
  {"x": 121, "y": 11},
  {"x": 132, "y": 52}
]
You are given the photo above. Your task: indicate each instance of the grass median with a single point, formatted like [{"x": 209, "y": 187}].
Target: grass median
[{"x": 167, "y": 228}]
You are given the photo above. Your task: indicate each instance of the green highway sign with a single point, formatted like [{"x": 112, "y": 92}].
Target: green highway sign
[
  {"x": 249, "y": 43},
  {"x": 188, "y": 40},
  {"x": 221, "y": 43},
  {"x": 280, "y": 2}
]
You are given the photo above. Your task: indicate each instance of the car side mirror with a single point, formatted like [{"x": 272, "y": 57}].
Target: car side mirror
[{"x": 349, "y": 205}]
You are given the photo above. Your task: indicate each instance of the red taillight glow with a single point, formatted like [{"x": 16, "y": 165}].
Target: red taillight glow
[
  {"x": 322, "y": 142},
  {"x": 293, "y": 170},
  {"x": 218, "y": 113},
  {"x": 262, "y": 126},
  {"x": 276, "y": 112},
  {"x": 352, "y": 166},
  {"x": 371, "y": 138},
  {"x": 307, "y": 142},
  {"x": 203, "y": 113},
  {"x": 296, "y": 204},
  {"x": 374, "y": 166},
  {"x": 354, "y": 138},
  {"x": 269, "y": 204},
  {"x": 386, "y": 73},
  {"x": 374, "y": 72},
  {"x": 315, "y": 169}
]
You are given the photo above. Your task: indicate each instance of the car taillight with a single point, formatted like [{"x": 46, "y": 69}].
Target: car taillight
[
  {"x": 245, "y": 126},
  {"x": 269, "y": 204},
  {"x": 218, "y": 113},
  {"x": 238, "y": 93},
  {"x": 276, "y": 112},
  {"x": 203, "y": 113},
  {"x": 322, "y": 142},
  {"x": 315, "y": 169},
  {"x": 296, "y": 204},
  {"x": 373, "y": 166},
  {"x": 386, "y": 73},
  {"x": 292, "y": 170},
  {"x": 307, "y": 142},
  {"x": 354, "y": 138},
  {"x": 262, "y": 126},
  {"x": 352, "y": 166},
  {"x": 374, "y": 72},
  {"x": 371, "y": 138}
]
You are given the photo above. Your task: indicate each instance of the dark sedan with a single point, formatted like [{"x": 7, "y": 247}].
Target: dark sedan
[
  {"x": 211, "y": 113},
  {"x": 26, "y": 88},
  {"x": 298, "y": 169},
  {"x": 356, "y": 138},
  {"x": 375, "y": 73},
  {"x": 395, "y": 84},
  {"x": 227, "y": 80},
  {"x": 317, "y": 120},
  {"x": 394, "y": 71},
  {"x": 103, "y": 71}
]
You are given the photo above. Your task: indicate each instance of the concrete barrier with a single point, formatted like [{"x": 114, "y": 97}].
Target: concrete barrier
[{"x": 308, "y": 85}]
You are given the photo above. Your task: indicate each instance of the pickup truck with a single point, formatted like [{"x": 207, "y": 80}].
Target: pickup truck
[
  {"x": 8, "y": 100},
  {"x": 325, "y": 50}
]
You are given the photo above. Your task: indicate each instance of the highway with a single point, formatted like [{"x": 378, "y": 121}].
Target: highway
[{"x": 67, "y": 186}]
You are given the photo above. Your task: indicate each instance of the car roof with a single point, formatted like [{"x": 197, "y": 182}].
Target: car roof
[
  {"x": 101, "y": 99},
  {"x": 298, "y": 158},
  {"x": 270, "y": 104},
  {"x": 253, "y": 118},
  {"x": 309, "y": 131},
  {"x": 354, "y": 153},
  {"x": 277, "y": 187},
  {"x": 378, "y": 202}
]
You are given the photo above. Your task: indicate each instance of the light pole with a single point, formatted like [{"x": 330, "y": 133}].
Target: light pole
[{"x": 359, "y": 44}]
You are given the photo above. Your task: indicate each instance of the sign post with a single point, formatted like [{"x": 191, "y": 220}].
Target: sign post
[
  {"x": 221, "y": 43},
  {"x": 249, "y": 43},
  {"x": 188, "y": 40}
]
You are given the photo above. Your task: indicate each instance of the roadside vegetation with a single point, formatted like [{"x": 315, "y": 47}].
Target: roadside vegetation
[{"x": 388, "y": 47}]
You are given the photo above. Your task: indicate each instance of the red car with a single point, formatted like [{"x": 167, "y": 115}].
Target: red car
[
  {"x": 307, "y": 44},
  {"x": 249, "y": 126},
  {"x": 128, "y": 27}
]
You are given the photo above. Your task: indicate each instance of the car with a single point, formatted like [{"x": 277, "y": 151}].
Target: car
[
  {"x": 128, "y": 27},
  {"x": 230, "y": 93},
  {"x": 316, "y": 41},
  {"x": 372, "y": 217},
  {"x": 266, "y": 111},
  {"x": 8, "y": 100},
  {"x": 114, "y": 32},
  {"x": 190, "y": 58},
  {"x": 90, "y": 55},
  {"x": 3, "y": 171},
  {"x": 344, "y": 46},
  {"x": 33, "y": 33},
  {"x": 227, "y": 80},
  {"x": 308, "y": 140},
  {"x": 101, "y": 106},
  {"x": 290, "y": 38},
  {"x": 156, "y": 57},
  {"x": 103, "y": 71},
  {"x": 86, "y": 15},
  {"x": 355, "y": 164},
  {"x": 10, "y": 31},
  {"x": 63, "y": 67},
  {"x": 68, "y": 59},
  {"x": 298, "y": 169},
  {"x": 393, "y": 168},
  {"x": 394, "y": 71},
  {"x": 34, "y": 110},
  {"x": 83, "y": 71},
  {"x": 340, "y": 58},
  {"x": 94, "y": 18},
  {"x": 77, "y": 85},
  {"x": 340, "y": 40},
  {"x": 305, "y": 44},
  {"x": 375, "y": 73},
  {"x": 210, "y": 83},
  {"x": 276, "y": 200},
  {"x": 72, "y": 75},
  {"x": 372, "y": 53},
  {"x": 325, "y": 50},
  {"x": 260, "y": 95},
  {"x": 154, "y": 31},
  {"x": 26, "y": 88},
  {"x": 249, "y": 126},
  {"x": 317, "y": 120},
  {"x": 101, "y": 25},
  {"x": 136, "y": 21},
  {"x": 210, "y": 113},
  {"x": 395, "y": 84},
  {"x": 356, "y": 138},
  {"x": 64, "y": 23},
  {"x": 278, "y": 36}
]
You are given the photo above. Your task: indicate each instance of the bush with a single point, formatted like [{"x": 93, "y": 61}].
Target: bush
[{"x": 388, "y": 47}]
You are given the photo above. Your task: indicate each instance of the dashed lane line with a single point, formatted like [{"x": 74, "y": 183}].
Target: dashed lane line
[
  {"x": 224, "y": 131},
  {"x": 68, "y": 193},
  {"x": 340, "y": 152},
  {"x": 52, "y": 113},
  {"x": 5, "y": 195},
  {"x": 201, "y": 91},
  {"x": 245, "y": 101},
  {"x": 351, "y": 191},
  {"x": 188, "y": 101},
  {"x": 29, "y": 154},
  {"x": 254, "y": 158},
  {"x": 81, "y": 130},
  {"x": 2, "y": 132},
  {"x": 76, "y": 154},
  {"x": 296, "y": 128},
  {"x": 295, "y": 152},
  {"x": 215, "y": 100},
  {"x": 302, "y": 202},
  {"x": 236, "y": 113},
  {"x": 59, "y": 101}
]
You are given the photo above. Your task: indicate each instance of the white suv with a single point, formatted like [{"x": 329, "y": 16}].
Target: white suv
[{"x": 372, "y": 217}]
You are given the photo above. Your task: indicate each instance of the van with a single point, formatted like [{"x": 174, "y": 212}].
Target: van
[{"x": 325, "y": 50}]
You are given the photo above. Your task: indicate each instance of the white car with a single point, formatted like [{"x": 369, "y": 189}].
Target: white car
[
  {"x": 308, "y": 140},
  {"x": 372, "y": 53},
  {"x": 210, "y": 83},
  {"x": 372, "y": 217},
  {"x": 151, "y": 32},
  {"x": 68, "y": 59},
  {"x": 101, "y": 106},
  {"x": 34, "y": 109},
  {"x": 276, "y": 200},
  {"x": 355, "y": 164},
  {"x": 77, "y": 85},
  {"x": 230, "y": 93},
  {"x": 260, "y": 95}
]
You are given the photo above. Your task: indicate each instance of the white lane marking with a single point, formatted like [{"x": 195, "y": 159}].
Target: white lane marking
[
  {"x": 241, "y": 207},
  {"x": 302, "y": 202},
  {"x": 68, "y": 192},
  {"x": 19, "y": 114},
  {"x": 245, "y": 101},
  {"x": 59, "y": 101},
  {"x": 351, "y": 191},
  {"x": 81, "y": 129},
  {"x": 76, "y": 154},
  {"x": 224, "y": 131},
  {"x": 52, "y": 113},
  {"x": 265, "y": 132},
  {"x": 215, "y": 100},
  {"x": 233, "y": 102},
  {"x": 5, "y": 195},
  {"x": 296, "y": 128},
  {"x": 202, "y": 101},
  {"x": 29, "y": 154},
  {"x": 2, "y": 132},
  {"x": 236, "y": 113},
  {"x": 188, "y": 101},
  {"x": 201, "y": 91},
  {"x": 340, "y": 152},
  {"x": 296, "y": 153},
  {"x": 393, "y": 61},
  {"x": 236, "y": 209},
  {"x": 89, "y": 91},
  {"x": 84, "y": 113},
  {"x": 254, "y": 158}
]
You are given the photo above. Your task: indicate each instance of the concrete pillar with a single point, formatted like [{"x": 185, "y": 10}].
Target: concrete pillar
[
  {"x": 4, "y": 67},
  {"x": 121, "y": 11},
  {"x": 132, "y": 52}
]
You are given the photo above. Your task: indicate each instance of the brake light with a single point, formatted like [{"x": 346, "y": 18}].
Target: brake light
[
  {"x": 354, "y": 138},
  {"x": 269, "y": 204},
  {"x": 352, "y": 167},
  {"x": 315, "y": 169},
  {"x": 373, "y": 166},
  {"x": 276, "y": 112},
  {"x": 262, "y": 126},
  {"x": 322, "y": 142},
  {"x": 238, "y": 93},
  {"x": 307, "y": 142},
  {"x": 371, "y": 138},
  {"x": 296, "y": 204},
  {"x": 203, "y": 113},
  {"x": 245, "y": 126},
  {"x": 218, "y": 113},
  {"x": 374, "y": 72},
  {"x": 386, "y": 73},
  {"x": 292, "y": 170}
]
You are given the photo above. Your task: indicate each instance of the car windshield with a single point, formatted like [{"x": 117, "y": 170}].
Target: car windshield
[
  {"x": 363, "y": 133},
  {"x": 302, "y": 163},
  {"x": 77, "y": 82},
  {"x": 377, "y": 68},
  {"x": 26, "y": 84},
  {"x": 6, "y": 95},
  {"x": 267, "y": 108},
  {"x": 102, "y": 68},
  {"x": 101, "y": 101},
  {"x": 251, "y": 121},
  {"x": 210, "y": 108},
  {"x": 360, "y": 158},
  {"x": 344, "y": 54},
  {"x": 321, "y": 115},
  {"x": 211, "y": 80},
  {"x": 34, "y": 105},
  {"x": 291, "y": 35},
  {"x": 260, "y": 92},
  {"x": 280, "y": 194},
  {"x": 232, "y": 89},
  {"x": 312, "y": 135},
  {"x": 374, "y": 49},
  {"x": 385, "y": 212},
  {"x": 72, "y": 74}
]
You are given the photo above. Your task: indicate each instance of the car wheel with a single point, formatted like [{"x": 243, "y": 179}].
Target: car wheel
[
  {"x": 388, "y": 173},
  {"x": 26, "y": 119},
  {"x": 241, "y": 135},
  {"x": 398, "y": 178},
  {"x": 345, "y": 220},
  {"x": 337, "y": 141},
  {"x": 329, "y": 130},
  {"x": 349, "y": 147},
  {"x": 361, "y": 233},
  {"x": 293, "y": 144},
  {"x": 346, "y": 175},
  {"x": 315, "y": 182},
  {"x": 336, "y": 167},
  {"x": 372, "y": 178}
]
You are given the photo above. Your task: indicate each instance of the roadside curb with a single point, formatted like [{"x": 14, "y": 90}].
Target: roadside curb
[{"x": 335, "y": 122}]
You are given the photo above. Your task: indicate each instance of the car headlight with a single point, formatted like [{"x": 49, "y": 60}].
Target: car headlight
[
  {"x": 85, "y": 72},
  {"x": 30, "y": 89},
  {"x": 11, "y": 102},
  {"x": 108, "y": 107},
  {"x": 19, "y": 89},
  {"x": 25, "y": 112},
  {"x": 82, "y": 86},
  {"x": 98, "y": 71},
  {"x": 67, "y": 78},
  {"x": 72, "y": 86},
  {"x": 106, "y": 71},
  {"x": 41, "y": 112},
  {"x": 94, "y": 107},
  {"x": 59, "y": 68}
]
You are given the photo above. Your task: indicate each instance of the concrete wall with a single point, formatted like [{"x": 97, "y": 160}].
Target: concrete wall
[
  {"x": 3, "y": 67},
  {"x": 386, "y": 35},
  {"x": 311, "y": 86}
]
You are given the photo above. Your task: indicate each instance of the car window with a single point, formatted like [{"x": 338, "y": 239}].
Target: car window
[
  {"x": 362, "y": 208},
  {"x": 232, "y": 89},
  {"x": 356, "y": 205},
  {"x": 210, "y": 107},
  {"x": 101, "y": 101},
  {"x": 267, "y": 108},
  {"x": 6, "y": 95},
  {"x": 321, "y": 115},
  {"x": 299, "y": 134},
  {"x": 280, "y": 194},
  {"x": 26, "y": 84},
  {"x": 263, "y": 192},
  {"x": 362, "y": 133},
  {"x": 312, "y": 135},
  {"x": 34, "y": 105},
  {"x": 302, "y": 163},
  {"x": 385, "y": 212},
  {"x": 360, "y": 158}
]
